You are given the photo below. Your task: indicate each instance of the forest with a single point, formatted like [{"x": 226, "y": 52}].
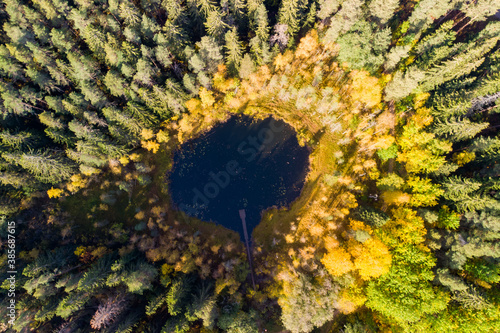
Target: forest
[{"x": 397, "y": 228}]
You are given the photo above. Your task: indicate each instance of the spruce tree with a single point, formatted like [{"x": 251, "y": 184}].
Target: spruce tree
[
  {"x": 233, "y": 50},
  {"x": 382, "y": 10},
  {"x": 457, "y": 129},
  {"x": 46, "y": 167},
  {"x": 288, "y": 15},
  {"x": 345, "y": 18},
  {"x": 363, "y": 47},
  {"x": 259, "y": 45},
  {"x": 403, "y": 84},
  {"x": 328, "y": 7}
]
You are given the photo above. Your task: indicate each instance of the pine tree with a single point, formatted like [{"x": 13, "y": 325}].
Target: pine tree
[
  {"x": 96, "y": 39},
  {"x": 115, "y": 83},
  {"x": 20, "y": 140},
  {"x": 178, "y": 324},
  {"x": 452, "y": 282},
  {"x": 443, "y": 36},
  {"x": 457, "y": 188},
  {"x": 163, "y": 55},
  {"x": 93, "y": 94},
  {"x": 215, "y": 24},
  {"x": 96, "y": 275},
  {"x": 176, "y": 296},
  {"x": 149, "y": 27},
  {"x": 9, "y": 65},
  {"x": 13, "y": 100},
  {"x": 137, "y": 277},
  {"x": 465, "y": 194},
  {"x": 487, "y": 147},
  {"x": 72, "y": 303},
  {"x": 478, "y": 10},
  {"x": 471, "y": 298},
  {"x": 204, "y": 306},
  {"x": 17, "y": 179},
  {"x": 144, "y": 72},
  {"x": 129, "y": 13},
  {"x": 451, "y": 104}
]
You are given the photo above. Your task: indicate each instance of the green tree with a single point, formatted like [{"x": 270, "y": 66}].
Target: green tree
[
  {"x": 395, "y": 55},
  {"x": 288, "y": 15},
  {"x": 234, "y": 50},
  {"x": 311, "y": 300},
  {"x": 259, "y": 45},
  {"x": 382, "y": 10},
  {"x": 405, "y": 294},
  {"x": 46, "y": 167},
  {"x": 465, "y": 62},
  {"x": 458, "y": 129},
  {"x": 247, "y": 66},
  {"x": 363, "y": 46},
  {"x": 403, "y": 85},
  {"x": 328, "y": 7},
  {"x": 345, "y": 18},
  {"x": 426, "y": 11}
]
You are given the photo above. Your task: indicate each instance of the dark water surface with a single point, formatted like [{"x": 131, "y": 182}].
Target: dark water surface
[{"x": 240, "y": 164}]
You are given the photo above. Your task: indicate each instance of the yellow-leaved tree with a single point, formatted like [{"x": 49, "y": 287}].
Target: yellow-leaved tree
[
  {"x": 365, "y": 88},
  {"x": 420, "y": 150},
  {"x": 337, "y": 261},
  {"x": 55, "y": 192},
  {"x": 371, "y": 258}
]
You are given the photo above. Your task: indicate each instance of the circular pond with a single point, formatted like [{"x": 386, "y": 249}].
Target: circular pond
[{"x": 242, "y": 163}]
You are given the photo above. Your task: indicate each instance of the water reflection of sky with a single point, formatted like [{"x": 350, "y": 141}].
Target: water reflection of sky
[{"x": 239, "y": 164}]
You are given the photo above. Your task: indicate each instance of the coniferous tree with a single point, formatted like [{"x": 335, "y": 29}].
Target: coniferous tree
[
  {"x": 345, "y": 18},
  {"x": 233, "y": 50},
  {"x": 426, "y": 11},
  {"x": 47, "y": 168},
  {"x": 383, "y": 10},
  {"x": 463, "y": 63},
  {"x": 403, "y": 84},
  {"x": 288, "y": 15},
  {"x": 459, "y": 129},
  {"x": 328, "y": 7},
  {"x": 395, "y": 55},
  {"x": 247, "y": 66},
  {"x": 363, "y": 47},
  {"x": 259, "y": 45}
]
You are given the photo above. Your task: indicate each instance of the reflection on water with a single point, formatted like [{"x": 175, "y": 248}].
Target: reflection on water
[{"x": 240, "y": 164}]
